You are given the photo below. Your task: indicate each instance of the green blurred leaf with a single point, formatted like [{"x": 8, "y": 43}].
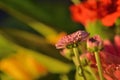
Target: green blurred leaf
[
  {"x": 55, "y": 14},
  {"x": 33, "y": 41},
  {"x": 89, "y": 74},
  {"x": 99, "y": 29},
  {"x": 43, "y": 29},
  {"x": 4, "y": 76},
  {"x": 76, "y": 1},
  {"x": 6, "y": 48},
  {"x": 117, "y": 26},
  {"x": 50, "y": 77},
  {"x": 53, "y": 65}
]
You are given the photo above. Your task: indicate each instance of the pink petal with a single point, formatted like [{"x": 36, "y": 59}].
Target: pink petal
[
  {"x": 107, "y": 77},
  {"x": 109, "y": 47},
  {"x": 117, "y": 74},
  {"x": 117, "y": 43}
]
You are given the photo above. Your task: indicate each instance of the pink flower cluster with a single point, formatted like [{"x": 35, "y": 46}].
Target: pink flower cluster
[
  {"x": 110, "y": 59},
  {"x": 109, "y": 56}
]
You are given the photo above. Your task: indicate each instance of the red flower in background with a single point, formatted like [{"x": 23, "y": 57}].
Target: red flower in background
[
  {"x": 110, "y": 59},
  {"x": 107, "y": 11}
]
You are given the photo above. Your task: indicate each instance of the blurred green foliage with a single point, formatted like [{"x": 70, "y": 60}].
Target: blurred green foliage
[
  {"x": 26, "y": 24},
  {"x": 53, "y": 13}
]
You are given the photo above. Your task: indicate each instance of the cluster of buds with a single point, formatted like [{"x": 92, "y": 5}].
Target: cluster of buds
[{"x": 73, "y": 41}]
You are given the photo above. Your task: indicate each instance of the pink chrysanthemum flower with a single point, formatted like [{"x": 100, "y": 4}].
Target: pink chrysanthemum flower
[
  {"x": 69, "y": 40},
  {"x": 110, "y": 59}
]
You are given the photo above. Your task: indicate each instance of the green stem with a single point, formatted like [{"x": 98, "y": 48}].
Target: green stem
[
  {"x": 79, "y": 66},
  {"x": 99, "y": 65},
  {"x": 76, "y": 1},
  {"x": 117, "y": 24}
]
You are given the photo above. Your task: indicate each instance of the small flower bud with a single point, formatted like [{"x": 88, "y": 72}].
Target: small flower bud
[{"x": 94, "y": 44}]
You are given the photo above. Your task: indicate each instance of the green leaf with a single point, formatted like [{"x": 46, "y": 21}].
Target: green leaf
[
  {"x": 56, "y": 15},
  {"x": 89, "y": 74},
  {"x": 78, "y": 77},
  {"x": 6, "y": 48},
  {"x": 33, "y": 41},
  {"x": 50, "y": 77},
  {"x": 4, "y": 76},
  {"x": 117, "y": 26},
  {"x": 76, "y": 1},
  {"x": 53, "y": 65},
  {"x": 99, "y": 29},
  {"x": 43, "y": 29}
]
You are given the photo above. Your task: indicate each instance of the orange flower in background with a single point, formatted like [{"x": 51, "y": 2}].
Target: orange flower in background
[
  {"x": 107, "y": 11},
  {"x": 22, "y": 67}
]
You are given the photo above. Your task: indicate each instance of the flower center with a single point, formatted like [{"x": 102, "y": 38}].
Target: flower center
[
  {"x": 92, "y": 40},
  {"x": 69, "y": 46}
]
